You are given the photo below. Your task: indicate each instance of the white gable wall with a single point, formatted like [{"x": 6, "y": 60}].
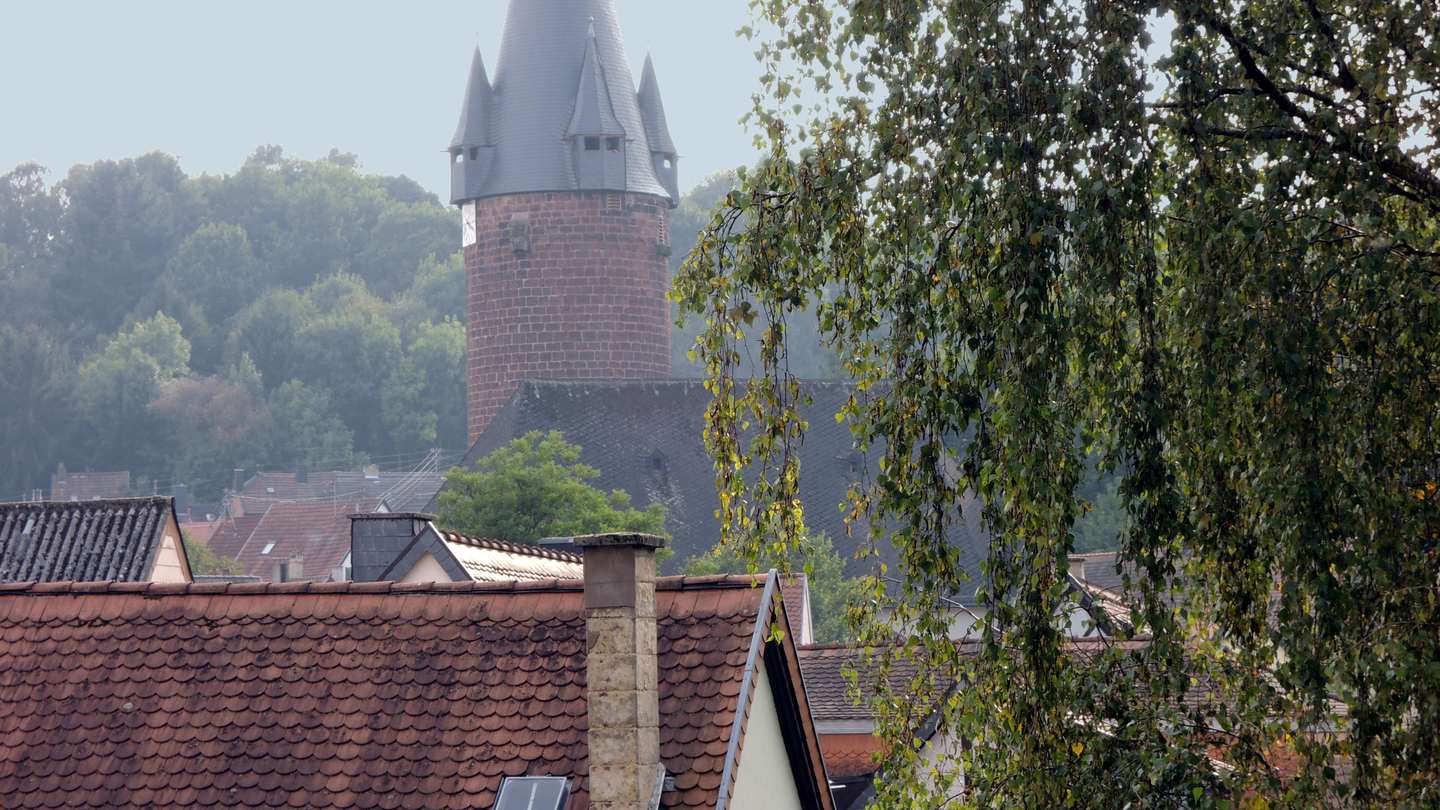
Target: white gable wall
[
  {"x": 168, "y": 567},
  {"x": 427, "y": 569},
  {"x": 763, "y": 778}
]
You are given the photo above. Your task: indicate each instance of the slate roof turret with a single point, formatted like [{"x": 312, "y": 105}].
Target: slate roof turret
[
  {"x": 474, "y": 126},
  {"x": 652, "y": 110}
]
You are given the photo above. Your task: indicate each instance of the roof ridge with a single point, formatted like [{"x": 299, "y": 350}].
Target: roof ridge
[
  {"x": 148, "y": 499},
  {"x": 157, "y": 589},
  {"x": 528, "y": 549}
]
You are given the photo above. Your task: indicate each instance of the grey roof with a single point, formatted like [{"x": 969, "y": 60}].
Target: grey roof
[
  {"x": 647, "y": 438},
  {"x": 474, "y": 126},
  {"x": 652, "y": 110},
  {"x": 81, "y": 541},
  {"x": 533, "y": 98}
]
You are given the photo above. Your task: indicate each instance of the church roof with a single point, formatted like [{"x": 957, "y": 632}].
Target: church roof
[{"x": 533, "y": 101}]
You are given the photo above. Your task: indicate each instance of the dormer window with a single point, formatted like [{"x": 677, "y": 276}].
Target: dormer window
[
  {"x": 612, "y": 144},
  {"x": 592, "y": 143}
]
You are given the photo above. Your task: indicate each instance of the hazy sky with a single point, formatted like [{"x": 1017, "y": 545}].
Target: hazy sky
[{"x": 210, "y": 81}]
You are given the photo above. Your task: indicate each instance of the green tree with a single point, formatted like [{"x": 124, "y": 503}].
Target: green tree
[
  {"x": 536, "y": 487},
  {"x": 349, "y": 348},
  {"x": 37, "y": 406},
  {"x": 307, "y": 432},
  {"x": 210, "y": 424},
  {"x": 114, "y": 388},
  {"x": 436, "y": 293},
  {"x": 121, "y": 222},
  {"x": 205, "y": 561},
  {"x": 831, "y": 592},
  {"x": 266, "y": 331},
  {"x": 1225, "y": 291},
  {"x": 30, "y": 221},
  {"x": 423, "y": 399},
  {"x": 209, "y": 277}
]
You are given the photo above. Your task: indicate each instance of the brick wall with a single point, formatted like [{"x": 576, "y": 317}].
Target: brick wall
[{"x": 564, "y": 286}]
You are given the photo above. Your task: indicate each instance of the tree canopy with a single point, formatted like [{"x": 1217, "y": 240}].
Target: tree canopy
[
  {"x": 536, "y": 487},
  {"x": 1031, "y": 243},
  {"x": 338, "y": 296},
  {"x": 814, "y": 554}
]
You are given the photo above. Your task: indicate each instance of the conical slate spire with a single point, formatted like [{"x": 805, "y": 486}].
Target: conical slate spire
[
  {"x": 555, "y": 77},
  {"x": 473, "y": 129},
  {"x": 594, "y": 112},
  {"x": 652, "y": 111}
]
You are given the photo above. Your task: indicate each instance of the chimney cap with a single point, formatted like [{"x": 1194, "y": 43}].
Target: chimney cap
[{"x": 620, "y": 540}]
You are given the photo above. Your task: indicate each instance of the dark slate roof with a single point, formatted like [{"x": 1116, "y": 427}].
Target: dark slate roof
[
  {"x": 361, "y": 695},
  {"x": 533, "y": 98},
  {"x": 647, "y": 438},
  {"x": 474, "y": 127},
  {"x": 82, "y": 541},
  {"x": 652, "y": 109}
]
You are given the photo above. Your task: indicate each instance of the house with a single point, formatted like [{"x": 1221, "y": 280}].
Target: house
[
  {"x": 390, "y": 547},
  {"x": 616, "y": 687},
  {"x": 88, "y": 486},
  {"x": 407, "y": 491},
  {"x": 299, "y": 540},
  {"x": 845, "y": 720},
  {"x": 125, "y": 540}
]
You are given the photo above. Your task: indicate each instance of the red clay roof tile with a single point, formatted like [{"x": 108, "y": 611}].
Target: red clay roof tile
[{"x": 303, "y": 695}]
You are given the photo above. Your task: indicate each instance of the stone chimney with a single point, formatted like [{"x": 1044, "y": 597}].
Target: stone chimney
[{"x": 622, "y": 680}]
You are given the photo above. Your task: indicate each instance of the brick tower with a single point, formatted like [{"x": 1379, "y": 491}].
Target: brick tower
[{"x": 564, "y": 174}]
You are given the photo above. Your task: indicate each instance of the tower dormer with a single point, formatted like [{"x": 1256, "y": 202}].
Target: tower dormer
[
  {"x": 657, "y": 132},
  {"x": 598, "y": 141},
  {"x": 472, "y": 150}
]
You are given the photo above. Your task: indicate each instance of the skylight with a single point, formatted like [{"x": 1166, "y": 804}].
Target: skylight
[
  {"x": 533, "y": 793},
  {"x": 268, "y": 548}
]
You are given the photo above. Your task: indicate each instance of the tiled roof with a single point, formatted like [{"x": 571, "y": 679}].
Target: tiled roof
[
  {"x": 81, "y": 541},
  {"x": 401, "y": 491},
  {"x": 316, "y": 532},
  {"x": 824, "y": 665},
  {"x": 340, "y": 695},
  {"x": 89, "y": 486},
  {"x": 231, "y": 533},
  {"x": 646, "y": 438},
  {"x": 850, "y": 755},
  {"x": 497, "y": 560}
]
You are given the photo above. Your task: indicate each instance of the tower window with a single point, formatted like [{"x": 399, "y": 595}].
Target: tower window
[
  {"x": 474, "y": 153},
  {"x": 592, "y": 144},
  {"x": 669, "y": 164},
  {"x": 458, "y": 155},
  {"x": 613, "y": 144}
]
